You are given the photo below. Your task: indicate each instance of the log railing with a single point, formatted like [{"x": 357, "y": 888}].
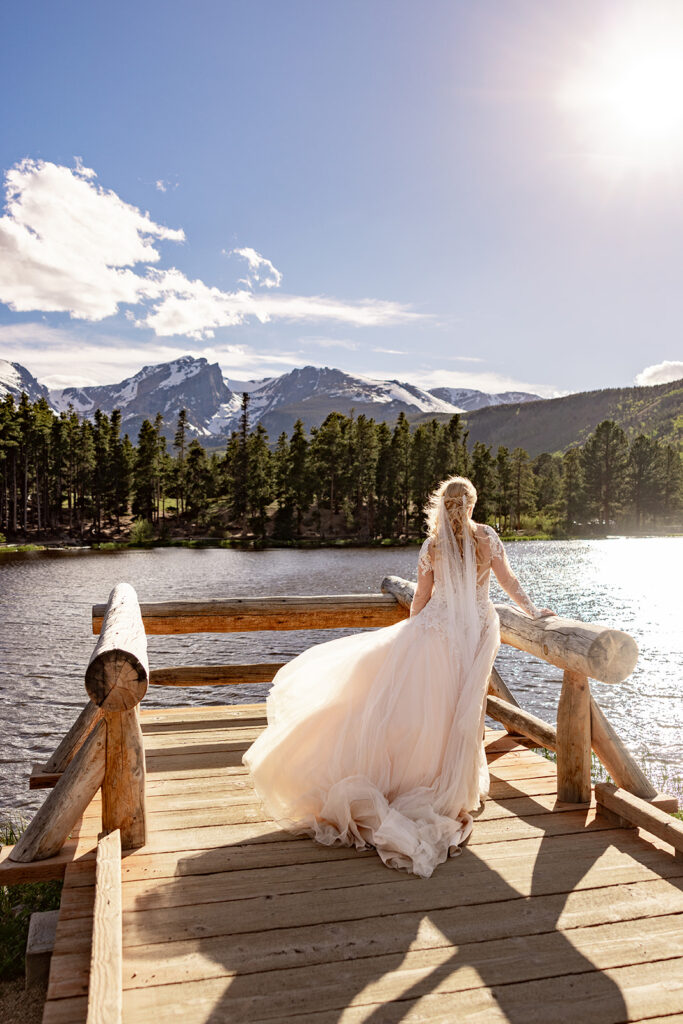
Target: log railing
[{"x": 104, "y": 749}]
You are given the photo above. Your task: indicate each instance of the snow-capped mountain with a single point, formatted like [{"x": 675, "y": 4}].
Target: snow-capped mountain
[
  {"x": 312, "y": 392},
  {"x": 186, "y": 383},
  {"x": 15, "y": 378},
  {"x": 468, "y": 399},
  {"x": 213, "y": 401}
]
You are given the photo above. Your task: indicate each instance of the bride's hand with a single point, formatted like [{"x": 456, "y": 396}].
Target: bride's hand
[{"x": 544, "y": 613}]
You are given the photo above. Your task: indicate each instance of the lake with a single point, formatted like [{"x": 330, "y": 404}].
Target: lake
[{"x": 46, "y": 639}]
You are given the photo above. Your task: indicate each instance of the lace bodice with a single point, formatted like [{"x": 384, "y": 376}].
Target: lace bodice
[{"x": 429, "y": 598}]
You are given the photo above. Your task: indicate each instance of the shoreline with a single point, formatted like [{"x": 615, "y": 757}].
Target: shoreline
[{"x": 312, "y": 543}]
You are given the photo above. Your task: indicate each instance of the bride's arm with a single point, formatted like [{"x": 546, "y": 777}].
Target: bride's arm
[
  {"x": 508, "y": 580},
  {"x": 425, "y": 580}
]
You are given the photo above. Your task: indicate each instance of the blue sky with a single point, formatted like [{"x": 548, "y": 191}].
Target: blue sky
[{"x": 444, "y": 192}]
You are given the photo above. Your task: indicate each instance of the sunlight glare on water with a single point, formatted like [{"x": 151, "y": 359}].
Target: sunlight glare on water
[{"x": 46, "y": 640}]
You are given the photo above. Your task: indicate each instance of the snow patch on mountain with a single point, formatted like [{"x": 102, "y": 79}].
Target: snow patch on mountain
[{"x": 15, "y": 378}]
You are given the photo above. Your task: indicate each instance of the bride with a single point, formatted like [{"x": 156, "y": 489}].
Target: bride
[{"x": 375, "y": 739}]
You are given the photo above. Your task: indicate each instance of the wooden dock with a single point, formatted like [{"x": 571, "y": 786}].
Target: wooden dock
[
  {"x": 182, "y": 901},
  {"x": 548, "y": 915}
]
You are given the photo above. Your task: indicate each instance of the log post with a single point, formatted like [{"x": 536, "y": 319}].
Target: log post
[
  {"x": 116, "y": 681},
  {"x": 574, "y": 739},
  {"x": 616, "y": 758}
]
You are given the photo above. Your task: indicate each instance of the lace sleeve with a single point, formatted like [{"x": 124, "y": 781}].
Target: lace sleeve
[
  {"x": 507, "y": 578},
  {"x": 424, "y": 561}
]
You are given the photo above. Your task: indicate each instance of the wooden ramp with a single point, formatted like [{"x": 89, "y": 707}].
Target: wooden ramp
[{"x": 544, "y": 917}]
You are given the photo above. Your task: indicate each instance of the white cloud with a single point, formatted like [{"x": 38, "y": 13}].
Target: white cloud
[
  {"x": 351, "y": 346},
  {"x": 389, "y": 351},
  {"x": 161, "y": 185},
  {"x": 48, "y": 353},
  {"x": 261, "y": 270},
  {"x": 660, "y": 373},
  {"x": 67, "y": 245},
  {"x": 490, "y": 382}
]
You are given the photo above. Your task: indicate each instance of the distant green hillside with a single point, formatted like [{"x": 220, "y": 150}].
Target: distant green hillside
[{"x": 556, "y": 424}]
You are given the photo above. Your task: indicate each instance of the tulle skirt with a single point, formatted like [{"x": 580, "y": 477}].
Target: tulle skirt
[{"x": 376, "y": 740}]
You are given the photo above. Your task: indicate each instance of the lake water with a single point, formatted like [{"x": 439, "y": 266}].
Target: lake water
[{"x": 46, "y": 639}]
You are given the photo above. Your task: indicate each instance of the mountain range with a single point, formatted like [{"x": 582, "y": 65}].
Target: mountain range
[
  {"x": 213, "y": 404},
  {"x": 213, "y": 401}
]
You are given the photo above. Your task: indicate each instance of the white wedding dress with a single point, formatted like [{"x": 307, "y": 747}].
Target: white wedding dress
[{"x": 375, "y": 739}]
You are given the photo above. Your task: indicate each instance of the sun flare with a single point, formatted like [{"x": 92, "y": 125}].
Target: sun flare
[{"x": 626, "y": 98}]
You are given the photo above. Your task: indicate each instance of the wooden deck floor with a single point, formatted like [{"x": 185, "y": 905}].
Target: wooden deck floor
[{"x": 546, "y": 916}]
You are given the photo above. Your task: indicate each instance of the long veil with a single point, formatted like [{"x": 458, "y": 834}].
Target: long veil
[{"x": 473, "y": 642}]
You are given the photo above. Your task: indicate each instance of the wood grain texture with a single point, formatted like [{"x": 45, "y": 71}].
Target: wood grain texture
[
  {"x": 246, "y": 614},
  {"x": 116, "y": 677},
  {"x": 74, "y": 739},
  {"x": 53, "y": 822},
  {"x": 123, "y": 787},
  {"x": 520, "y": 721},
  {"x": 549, "y": 914},
  {"x": 574, "y": 739},
  {"x": 641, "y": 813},
  {"x": 214, "y": 675},
  {"x": 105, "y": 990}
]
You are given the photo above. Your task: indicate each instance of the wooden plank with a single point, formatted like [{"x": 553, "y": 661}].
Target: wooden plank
[
  {"x": 640, "y": 813},
  {"x": 214, "y": 675},
  {"x": 66, "y": 1011},
  {"x": 244, "y": 614},
  {"x": 279, "y": 949},
  {"x": 595, "y": 997},
  {"x": 16, "y": 873},
  {"x": 105, "y": 1004},
  {"x": 276, "y": 995}
]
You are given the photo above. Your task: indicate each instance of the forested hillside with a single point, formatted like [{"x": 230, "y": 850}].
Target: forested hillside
[{"x": 555, "y": 424}]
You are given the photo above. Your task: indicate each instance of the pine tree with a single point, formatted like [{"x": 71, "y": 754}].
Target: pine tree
[
  {"x": 644, "y": 478},
  {"x": 259, "y": 487},
  {"x": 300, "y": 475},
  {"x": 144, "y": 483},
  {"x": 672, "y": 479},
  {"x": 400, "y": 462},
  {"x": 573, "y": 488},
  {"x": 483, "y": 477},
  {"x": 179, "y": 442},
  {"x": 523, "y": 495},
  {"x": 504, "y": 489},
  {"x": 605, "y": 456}
]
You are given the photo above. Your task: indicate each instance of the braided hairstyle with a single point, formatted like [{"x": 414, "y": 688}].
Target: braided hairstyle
[{"x": 459, "y": 494}]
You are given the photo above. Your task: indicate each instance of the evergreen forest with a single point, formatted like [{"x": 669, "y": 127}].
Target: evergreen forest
[{"x": 67, "y": 478}]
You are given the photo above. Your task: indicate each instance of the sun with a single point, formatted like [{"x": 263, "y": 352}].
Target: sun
[{"x": 626, "y": 97}]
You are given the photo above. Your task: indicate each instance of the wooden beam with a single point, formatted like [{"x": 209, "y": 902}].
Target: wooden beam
[
  {"x": 123, "y": 787},
  {"x": 214, "y": 675},
  {"x": 105, "y": 989},
  {"x": 616, "y": 758},
  {"x": 242, "y": 614},
  {"x": 74, "y": 739},
  {"x": 13, "y": 872},
  {"x": 53, "y": 822},
  {"x": 608, "y": 655},
  {"x": 588, "y": 648},
  {"x": 515, "y": 718},
  {"x": 574, "y": 740},
  {"x": 640, "y": 813},
  {"x": 498, "y": 688},
  {"x": 116, "y": 677}
]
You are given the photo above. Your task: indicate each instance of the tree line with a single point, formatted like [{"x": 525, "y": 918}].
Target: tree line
[{"x": 62, "y": 473}]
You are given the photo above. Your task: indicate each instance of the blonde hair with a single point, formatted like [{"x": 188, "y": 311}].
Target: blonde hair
[{"x": 459, "y": 494}]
